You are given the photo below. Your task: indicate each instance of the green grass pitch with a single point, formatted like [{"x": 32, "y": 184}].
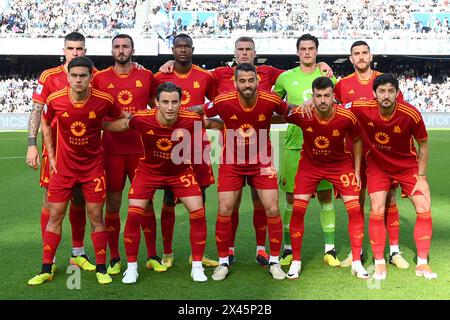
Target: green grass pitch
[{"x": 20, "y": 247}]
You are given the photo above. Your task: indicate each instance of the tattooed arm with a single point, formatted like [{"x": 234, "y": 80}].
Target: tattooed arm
[
  {"x": 197, "y": 109},
  {"x": 422, "y": 184},
  {"x": 33, "y": 128}
]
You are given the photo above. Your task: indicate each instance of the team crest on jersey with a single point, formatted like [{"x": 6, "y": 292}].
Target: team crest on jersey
[
  {"x": 196, "y": 85},
  {"x": 92, "y": 115},
  {"x": 39, "y": 88},
  {"x": 381, "y": 137},
  {"x": 336, "y": 133},
  {"x": 397, "y": 129},
  {"x": 125, "y": 97},
  {"x": 138, "y": 84},
  {"x": 78, "y": 128},
  {"x": 321, "y": 142},
  {"x": 261, "y": 117}
]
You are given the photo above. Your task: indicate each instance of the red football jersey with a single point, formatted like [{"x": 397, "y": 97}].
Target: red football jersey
[
  {"x": 351, "y": 88},
  {"x": 244, "y": 127},
  {"x": 158, "y": 144},
  {"x": 131, "y": 92},
  {"x": 390, "y": 139},
  {"x": 324, "y": 141},
  {"x": 224, "y": 77},
  {"x": 196, "y": 84},
  {"x": 78, "y": 145}
]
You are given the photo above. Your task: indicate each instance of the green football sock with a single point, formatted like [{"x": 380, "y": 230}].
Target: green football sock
[
  {"x": 287, "y": 214},
  {"x": 328, "y": 221}
]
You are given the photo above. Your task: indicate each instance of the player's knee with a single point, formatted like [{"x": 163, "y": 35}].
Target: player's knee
[
  {"x": 272, "y": 211},
  {"x": 225, "y": 210}
]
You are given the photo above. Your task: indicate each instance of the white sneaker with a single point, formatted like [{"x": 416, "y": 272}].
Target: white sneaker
[
  {"x": 198, "y": 274},
  {"x": 294, "y": 269},
  {"x": 347, "y": 262},
  {"x": 360, "y": 272},
  {"x": 130, "y": 276},
  {"x": 424, "y": 270},
  {"x": 276, "y": 271},
  {"x": 380, "y": 272},
  {"x": 220, "y": 272}
]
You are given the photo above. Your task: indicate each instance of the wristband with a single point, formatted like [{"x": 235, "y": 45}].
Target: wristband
[{"x": 31, "y": 141}]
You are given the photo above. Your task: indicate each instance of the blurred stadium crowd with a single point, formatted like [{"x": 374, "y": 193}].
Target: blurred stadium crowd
[
  {"x": 333, "y": 19},
  {"x": 327, "y": 19}
]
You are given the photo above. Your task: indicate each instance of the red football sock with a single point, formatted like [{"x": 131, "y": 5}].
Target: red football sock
[
  {"x": 275, "y": 228},
  {"x": 112, "y": 224},
  {"x": 77, "y": 217},
  {"x": 377, "y": 235},
  {"x": 148, "y": 225},
  {"x": 234, "y": 225},
  {"x": 132, "y": 232},
  {"x": 197, "y": 233},
  {"x": 355, "y": 227},
  {"x": 392, "y": 224},
  {"x": 50, "y": 244},
  {"x": 260, "y": 225},
  {"x": 100, "y": 242},
  {"x": 167, "y": 225},
  {"x": 223, "y": 233},
  {"x": 45, "y": 216},
  {"x": 297, "y": 227},
  {"x": 423, "y": 231}
]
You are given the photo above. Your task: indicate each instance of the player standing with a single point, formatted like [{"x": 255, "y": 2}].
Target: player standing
[
  {"x": 76, "y": 159},
  {"x": 359, "y": 86},
  {"x": 246, "y": 157},
  {"x": 131, "y": 88},
  {"x": 390, "y": 127},
  {"x": 197, "y": 84},
  {"x": 295, "y": 85},
  {"x": 323, "y": 156},
  {"x": 52, "y": 80},
  {"x": 162, "y": 130}
]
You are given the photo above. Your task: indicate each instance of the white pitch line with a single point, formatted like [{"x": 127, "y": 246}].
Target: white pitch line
[{"x": 7, "y": 158}]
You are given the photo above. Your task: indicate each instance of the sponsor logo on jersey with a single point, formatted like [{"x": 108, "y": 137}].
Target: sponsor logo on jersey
[
  {"x": 381, "y": 137},
  {"x": 185, "y": 98},
  {"x": 246, "y": 130},
  {"x": 78, "y": 128},
  {"x": 125, "y": 97},
  {"x": 164, "y": 144},
  {"x": 321, "y": 142}
]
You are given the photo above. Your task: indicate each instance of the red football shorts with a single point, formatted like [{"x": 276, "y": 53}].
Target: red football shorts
[
  {"x": 379, "y": 180},
  {"x": 60, "y": 188},
  {"x": 117, "y": 168},
  {"x": 145, "y": 184},
  {"x": 340, "y": 174},
  {"x": 45, "y": 172},
  {"x": 233, "y": 178},
  {"x": 204, "y": 174}
]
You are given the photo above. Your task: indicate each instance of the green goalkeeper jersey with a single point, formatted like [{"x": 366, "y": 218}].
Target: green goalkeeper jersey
[{"x": 295, "y": 85}]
